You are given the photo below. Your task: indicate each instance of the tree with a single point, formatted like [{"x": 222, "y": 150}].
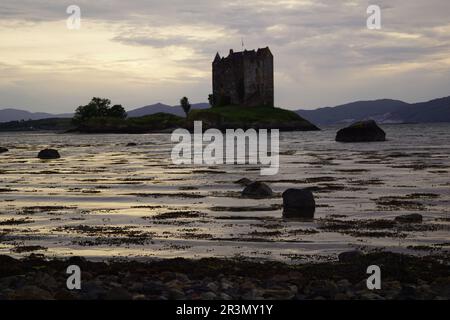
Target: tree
[
  {"x": 117, "y": 111},
  {"x": 98, "y": 108},
  {"x": 185, "y": 105},
  {"x": 211, "y": 100}
]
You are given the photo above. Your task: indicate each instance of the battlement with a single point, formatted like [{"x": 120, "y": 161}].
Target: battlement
[{"x": 244, "y": 78}]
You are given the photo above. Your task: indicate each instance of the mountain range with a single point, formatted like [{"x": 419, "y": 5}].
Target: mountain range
[
  {"x": 7, "y": 115},
  {"x": 382, "y": 111},
  {"x": 159, "y": 107}
]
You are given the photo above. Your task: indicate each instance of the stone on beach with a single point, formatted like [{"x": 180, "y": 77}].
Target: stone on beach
[
  {"x": 49, "y": 154},
  {"x": 3, "y": 150},
  {"x": 298, "y": 203},
  {"x": 363, "y": 131},
  {"x": 257, "y": 190},
  {"x": 131, "y": 144},
  {"x": 410, "y": 218}
]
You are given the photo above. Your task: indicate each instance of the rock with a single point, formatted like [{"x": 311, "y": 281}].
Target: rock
[
  {"x": 65, "y": 295},
  {"x": 441, "y": 286},
  {"x": 209, "y": 296},
  {"x": 182, "y": 277},
  {"x": 363, "y": 131},
  {"x": 298, "y": 203},
  {"x": 341, "y": 296},
  {"x": 350, "y": 256},
  {"x": 243, "y": 182},
  {"x": 49, "y": 154},
  {"x": 131, "y": 144},
  {"x": 322, "y": 288},
  {"x": 371, "y": 296},
  {"x": 136, "y": 287},
  {"x": 224, "y": 296},
  {"x": 408, "y": 291},
  {"x": 31, "y": 293},
  {"x": 44, "y": 281},
  {"x": 343, "y": 285},
  {"x": 257, "y": 190},
  {"x": 116, "y": 294},
  {"x": 212, "y": 286},
  {"x": 176, "y": 294},
  {"x": 225, "y": 284},
  {"x": 93, "y": 290},
  {"x": 280, "y": 294},
  {"x": 410, "y": 218},
  {"x": 153, "y": 287},
  {"x": 3, "y": 150}
]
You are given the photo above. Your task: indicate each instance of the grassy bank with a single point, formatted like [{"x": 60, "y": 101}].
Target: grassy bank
[
  {"x": 230, "y": 117},
  {"x": 159, "y": 122}
]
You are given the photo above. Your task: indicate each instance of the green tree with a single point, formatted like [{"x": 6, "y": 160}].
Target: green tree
[
  {"x": 98, "y": 108},
  {"x": 185, "y": 105}
]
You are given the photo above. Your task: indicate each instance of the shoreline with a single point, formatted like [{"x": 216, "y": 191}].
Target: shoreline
[{"x": 403, "y": 277}]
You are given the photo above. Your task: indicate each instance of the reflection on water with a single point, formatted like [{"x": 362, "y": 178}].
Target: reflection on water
[{"x": 104, "y": 199}]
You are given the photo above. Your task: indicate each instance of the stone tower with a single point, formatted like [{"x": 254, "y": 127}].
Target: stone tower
[{"x": 244, "y": 79}]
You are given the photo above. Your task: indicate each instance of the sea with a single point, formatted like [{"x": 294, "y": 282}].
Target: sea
[{"x": 104, "y": 199}]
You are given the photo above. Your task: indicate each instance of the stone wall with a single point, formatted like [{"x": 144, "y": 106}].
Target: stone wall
[{"x": 244, "y": 78}]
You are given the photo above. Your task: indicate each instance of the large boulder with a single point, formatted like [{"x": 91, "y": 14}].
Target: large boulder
[
  {"x": 2, "y": 150},
  {"x": 363, "y": 131},
  {"x": 257, "y": 190},
  {"x": 49, "y": 154},
  {"x": 298, "y": 203}
]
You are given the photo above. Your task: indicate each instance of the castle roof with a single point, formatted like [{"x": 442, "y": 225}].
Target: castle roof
[{"x": 246, "y": 53}]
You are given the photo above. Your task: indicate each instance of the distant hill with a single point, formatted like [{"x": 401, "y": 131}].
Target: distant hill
[
  {"x": 437, "y": 110},
  {"x": 164, "y": 108},
  {"x": 7, "y": 115},
  {"x": 383, "y": 111},
  {"x": 48, "y": 124}
]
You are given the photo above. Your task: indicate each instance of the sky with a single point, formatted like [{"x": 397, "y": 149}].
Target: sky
[{"x": 138, "y": 52}]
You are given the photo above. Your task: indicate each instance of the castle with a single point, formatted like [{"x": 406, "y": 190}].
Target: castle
[{"x": 244, "y": 79}]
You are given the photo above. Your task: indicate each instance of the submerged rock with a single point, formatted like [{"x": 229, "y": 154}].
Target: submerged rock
[
  {"x": 257, "y": 190},
  {"x": 363, "y": 131},
  {"x": 410, "y": 218},
  {"x": 243, "y": 182},
  {"x": 49, "y": 154},
  {"x": 298, "y": 203},
  {"x": 132, "y": 144},
  {"x": 3, "y": 150}
]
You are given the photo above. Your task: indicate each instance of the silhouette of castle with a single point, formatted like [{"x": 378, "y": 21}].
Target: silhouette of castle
[{"x": 244, "y": 79}]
